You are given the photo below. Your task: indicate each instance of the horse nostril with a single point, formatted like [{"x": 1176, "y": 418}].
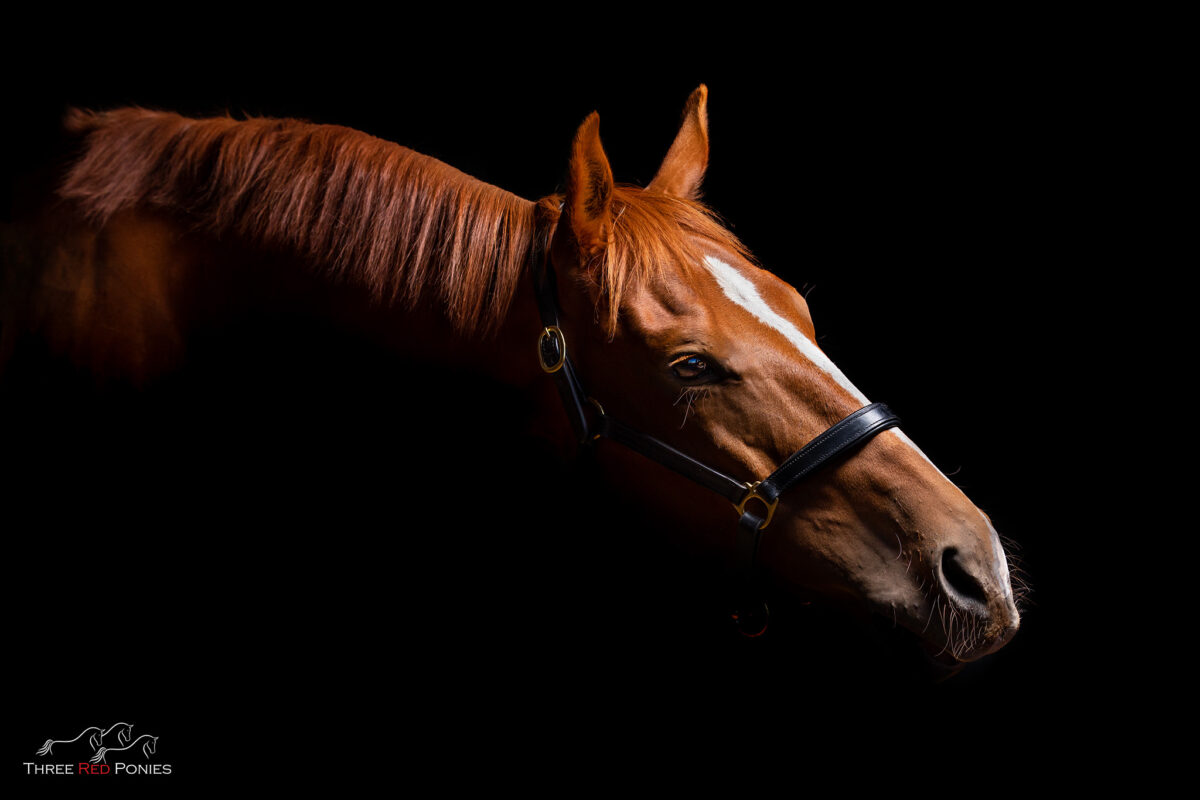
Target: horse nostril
[{"x": 960, "y": 584}]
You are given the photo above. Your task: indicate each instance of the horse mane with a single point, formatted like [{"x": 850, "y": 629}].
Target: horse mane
[{"x": 371, "y": 211}]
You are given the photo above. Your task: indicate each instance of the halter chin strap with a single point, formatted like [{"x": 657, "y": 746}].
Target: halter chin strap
[{"x": 842, "y": 438}]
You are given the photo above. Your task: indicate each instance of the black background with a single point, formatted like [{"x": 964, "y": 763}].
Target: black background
[{"x": 933, "y": 187}]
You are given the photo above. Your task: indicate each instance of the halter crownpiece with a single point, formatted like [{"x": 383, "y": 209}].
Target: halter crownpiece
[{"x": 841, "y": 438}]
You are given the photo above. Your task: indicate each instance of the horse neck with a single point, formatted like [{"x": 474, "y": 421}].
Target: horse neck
[
  {"x": 503, "y": 352},
  {"x": 490, "y": 375},
  {"x": 226, "y": 279},
  {"x": 202, "y": 282}
]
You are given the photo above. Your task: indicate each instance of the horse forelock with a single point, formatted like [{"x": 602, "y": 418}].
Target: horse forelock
[
  {"x": 655, "y": 236},
  {"x": 404, "y": 224}
]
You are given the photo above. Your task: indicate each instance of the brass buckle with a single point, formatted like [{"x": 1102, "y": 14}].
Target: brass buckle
[
  {"x": 752, "y": 494},
  {"x": 552, "y": 331}
]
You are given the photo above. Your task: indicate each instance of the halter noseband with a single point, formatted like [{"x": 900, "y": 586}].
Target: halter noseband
[{"x": 842, "y": 437}]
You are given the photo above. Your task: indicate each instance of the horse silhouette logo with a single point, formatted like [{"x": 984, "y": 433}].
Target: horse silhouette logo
[
  {"x": 97, "y": 744},
  {"x": 92, "y": 740},
  {"x": 124, "y": 734},
  {"x": 149, "y": 747}
]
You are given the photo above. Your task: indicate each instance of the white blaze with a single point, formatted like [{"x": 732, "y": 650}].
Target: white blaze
[{"x": 741, "y": 290}]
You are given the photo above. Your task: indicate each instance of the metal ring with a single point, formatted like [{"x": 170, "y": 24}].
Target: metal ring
[
  {"x": 752, "y": 494},
  {"x": 552, "y": 331}
]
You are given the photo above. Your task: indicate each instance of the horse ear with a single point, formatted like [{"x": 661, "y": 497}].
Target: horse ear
[
  {"x": 588, "y": 204},
  {"x": 683, "y": 168}
]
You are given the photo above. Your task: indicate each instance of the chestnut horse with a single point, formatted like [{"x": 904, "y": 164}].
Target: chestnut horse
[{"x": 165, "y": 226}]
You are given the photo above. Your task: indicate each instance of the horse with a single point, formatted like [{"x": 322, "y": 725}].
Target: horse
[
  {"x": 93, "y": 741},
  {"x": 149, "y": 746},
  {"x": 124, "y": 733},
  {"x": 634, "y": 310}
]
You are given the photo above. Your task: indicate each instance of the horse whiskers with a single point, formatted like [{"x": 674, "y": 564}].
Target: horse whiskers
[
  {"x": 692, "y": 394},
  {"x": 1018, "y": 576},
  {"x": 1011, "y": 547},
  {"x": 945, "y": 630},
  {"x": 932, "y": 611},
  {"x": 963, "y": 632},
  {"x": 1022, "y": 592},
  {"x": 908, "y": 561}
]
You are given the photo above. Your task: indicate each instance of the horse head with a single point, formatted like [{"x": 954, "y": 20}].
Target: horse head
[{"x": 676, "y": 331}]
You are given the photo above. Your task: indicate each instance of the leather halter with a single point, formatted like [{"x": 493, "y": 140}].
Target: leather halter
[{"x": 841, "y": 438}]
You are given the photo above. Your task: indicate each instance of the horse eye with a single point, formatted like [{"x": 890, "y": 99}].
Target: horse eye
[{"x": 690, "y": 367}]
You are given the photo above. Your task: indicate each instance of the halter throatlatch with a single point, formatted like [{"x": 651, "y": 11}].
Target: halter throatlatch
[{"x": 841, "y": 438}]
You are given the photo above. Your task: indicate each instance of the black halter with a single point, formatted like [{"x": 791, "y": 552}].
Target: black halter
[{"x": 843, "y": 437}]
